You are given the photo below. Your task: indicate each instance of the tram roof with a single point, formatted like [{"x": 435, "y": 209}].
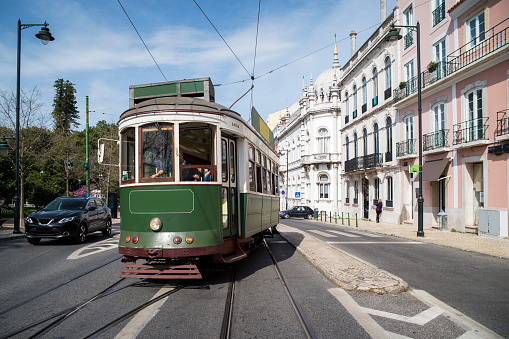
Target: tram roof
[{"x": 165, "y": 104}]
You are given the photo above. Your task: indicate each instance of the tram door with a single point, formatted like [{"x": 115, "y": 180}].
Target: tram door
[{"x": 229, "y": 186}]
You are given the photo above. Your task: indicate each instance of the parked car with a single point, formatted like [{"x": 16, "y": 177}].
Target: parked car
[
  {"x": 68, "y": 218},
  {"x": 297, "y": 212}
]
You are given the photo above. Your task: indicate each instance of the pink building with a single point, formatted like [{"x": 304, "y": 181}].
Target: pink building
[{"x": 465, "y": 99}]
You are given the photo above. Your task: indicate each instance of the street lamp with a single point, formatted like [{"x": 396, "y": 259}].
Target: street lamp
[
  {"x": 286, "y": 195},
  {"x": 394, "y": 35},
  {"x": 4, "y": 147},
  {"x": 45, "y": 37}
]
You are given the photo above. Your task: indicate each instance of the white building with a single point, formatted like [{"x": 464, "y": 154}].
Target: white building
[{"x": 308, "y": 139}]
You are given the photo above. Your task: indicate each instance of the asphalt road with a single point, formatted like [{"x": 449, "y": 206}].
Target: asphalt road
[
  {"x": 475, "y": 284},
  {"x": 261, "y": 308}
]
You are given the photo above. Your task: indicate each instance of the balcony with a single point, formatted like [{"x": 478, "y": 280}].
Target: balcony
[
  {"x": 464, "y": 56},
  {"x": 365, "y": 162},
  {"x": 435, "y": 140},
  {"x": 409, "y": 39},
  {"x": 482, "y": 45},
  {"x": 502, "y": 124},
  {"x": 406, "y": 147},
  {"x": 470, "y": 131},
  {"x": 439, "y": 14}
]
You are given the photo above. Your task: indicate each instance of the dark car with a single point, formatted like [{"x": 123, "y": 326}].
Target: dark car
[
  {"x": 68, "y": 218},
  {"x": 297, "y": 212}
]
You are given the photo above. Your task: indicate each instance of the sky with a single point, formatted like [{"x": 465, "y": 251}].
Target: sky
[{"x": 97, "y": 49}]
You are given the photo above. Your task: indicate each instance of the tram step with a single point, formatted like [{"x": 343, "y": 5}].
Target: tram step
[
  {"x": 161, "y": 271},
  {"x": 231, "y": 257}
]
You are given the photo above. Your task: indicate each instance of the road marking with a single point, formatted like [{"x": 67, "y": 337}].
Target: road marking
[
  {"x": 372, "y": 235},
  {"x": 95, "y": 248},
  {"x": 350, "y": 235},
  {"x": 277, "y": 241},
  {"x": 323, "y": 234},
  {"x": 456, "y": 316},
  {"x": 374, "y": 242},
  {"x": 142, "y": 318},
  {"x": 419, "y": 319},
  {"x": 367, "y": 323}
]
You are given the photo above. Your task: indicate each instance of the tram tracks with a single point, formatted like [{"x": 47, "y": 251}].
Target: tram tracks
[{"x": 229, "y": 304}]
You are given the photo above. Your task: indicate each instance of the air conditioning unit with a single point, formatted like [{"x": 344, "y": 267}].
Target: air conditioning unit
[{"x": 493, "y": 223}]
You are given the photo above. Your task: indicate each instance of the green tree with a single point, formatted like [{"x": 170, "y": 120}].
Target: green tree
[
  {"x": 65, "y": 112},
  {"x": 105, "y": 175}
]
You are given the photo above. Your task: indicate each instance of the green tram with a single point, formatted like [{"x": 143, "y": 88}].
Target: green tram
[{"x": 196, "y": 182}]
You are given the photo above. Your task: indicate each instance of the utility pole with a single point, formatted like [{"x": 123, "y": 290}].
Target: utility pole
[{"x": 87, "y": 166}]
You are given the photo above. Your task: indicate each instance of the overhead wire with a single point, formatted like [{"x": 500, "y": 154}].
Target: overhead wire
[
  {"x": 254, "y": 59},
  {"x": 222, "y": 38},
  {"x": 142, "y": 40}
]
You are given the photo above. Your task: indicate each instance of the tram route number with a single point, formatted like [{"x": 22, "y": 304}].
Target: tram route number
[{"x": 234, "y": 124}]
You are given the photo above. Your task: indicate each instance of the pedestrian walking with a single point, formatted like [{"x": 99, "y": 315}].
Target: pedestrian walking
[{"x": 378, "y": 210}]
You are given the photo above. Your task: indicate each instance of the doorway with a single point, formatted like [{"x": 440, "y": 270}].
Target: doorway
[
  {"x": 229, "y": 186},
  {"x": 365, "y": 195}
]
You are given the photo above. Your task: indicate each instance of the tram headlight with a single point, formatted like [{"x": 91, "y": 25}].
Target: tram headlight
[{"x": 156, "y": 224}]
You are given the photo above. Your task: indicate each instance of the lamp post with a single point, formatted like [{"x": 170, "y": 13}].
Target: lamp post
[
  {"x": 286, "y": 195},
  {"x": 45, "y": 37},
  {"x": 394, "y": 35}
]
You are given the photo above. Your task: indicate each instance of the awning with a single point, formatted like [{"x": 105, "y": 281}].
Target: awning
[{"x": 432, "y": 170}]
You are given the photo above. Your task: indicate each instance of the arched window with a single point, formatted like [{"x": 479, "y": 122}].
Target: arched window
[
  {"x": 347, "y": 104},
  {"x": 364, "y": 94},
  {"x": 324, "y": 186},
  {"x": 365, "y": 139},
  {"x": 355, "y": 148},
  {"x": 323, "y": 140},
  {"x": 389, "y": 135},
  {"x": 347, "y": 148},
  {"x": 388, "y": 73},
  {"x": 376, "y": 139},
  {"x": 355, "y": 100},
  {"x": 375, "y": 87}
]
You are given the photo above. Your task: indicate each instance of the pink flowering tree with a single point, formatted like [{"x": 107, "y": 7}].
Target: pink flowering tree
[{"x": 82, "y": 191}]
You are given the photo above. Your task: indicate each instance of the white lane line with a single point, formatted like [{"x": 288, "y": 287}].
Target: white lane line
[
  {"x": 372, "y": 235},
  {"x": 374, "y": 242},
  {"x": 367, "y": 323},
  {"x": 419, "y": 319},
  {"x": 142, "y": 318},
  {"x": 459, "y": 318},
  {"x": 323, "y": 234},
  {"x": 350, "y": 235}
]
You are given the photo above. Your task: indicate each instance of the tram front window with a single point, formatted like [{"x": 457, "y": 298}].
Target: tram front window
[
  {"x": 196, "y": 150},
  {"x": 157, "y": 151}
]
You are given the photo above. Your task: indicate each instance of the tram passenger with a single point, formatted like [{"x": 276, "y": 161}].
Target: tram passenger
[{"x": 189, "y": 174}]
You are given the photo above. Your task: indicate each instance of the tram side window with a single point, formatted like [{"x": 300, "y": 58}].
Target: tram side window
[
  {"x": 252, "y": 183},
  {"x": 157, "y": 151},
  {"x": 128, "y": 154},
  {"x": 224, "y": 160},
  {"x": 264, "y": 173},
  {"x": 258, "y": 172}
]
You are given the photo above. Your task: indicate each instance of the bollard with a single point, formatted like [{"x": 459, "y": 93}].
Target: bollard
[
  {"x": 321, "y": 215},
  {"x": 330, "y": 217},
  {"x": 356, "y": 223},
  {"x": 348, "y": 216},
  {"x": 342, "y": 219},
  {"x": 336, "y": 218}
]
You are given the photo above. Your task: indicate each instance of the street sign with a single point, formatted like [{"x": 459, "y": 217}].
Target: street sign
[
  {"x": 283, "y": 192},
  {"x": 413, "y": 168},
  {"x": 297, "y": 194}
]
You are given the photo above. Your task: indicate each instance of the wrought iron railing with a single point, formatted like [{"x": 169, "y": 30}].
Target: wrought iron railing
[
  {"x": 347, "y": 118},
  {"x": 502, "y": 123},
  {"x": 374, "y": 101},
  {"x": 492, "y": 40},
  {"x": 471, "y": 130},
  {"x": 389, "y": 203},
  {"x": 364, "y": 108},
  {"x": 409, "y": 39},
  {"x": 405, "y": 147},
  {"x": 480, "y": 46},
  {"x": 387, "y": 93},
  {"x": 369, "y": 161},
  {"x": 439, "y": 14},
  {"x": 435, "y": 140}
]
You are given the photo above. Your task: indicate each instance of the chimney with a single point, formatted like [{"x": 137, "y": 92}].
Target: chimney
[
  {"x": 352, "y": 39},
  {"x": 383, "y": 10}
]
